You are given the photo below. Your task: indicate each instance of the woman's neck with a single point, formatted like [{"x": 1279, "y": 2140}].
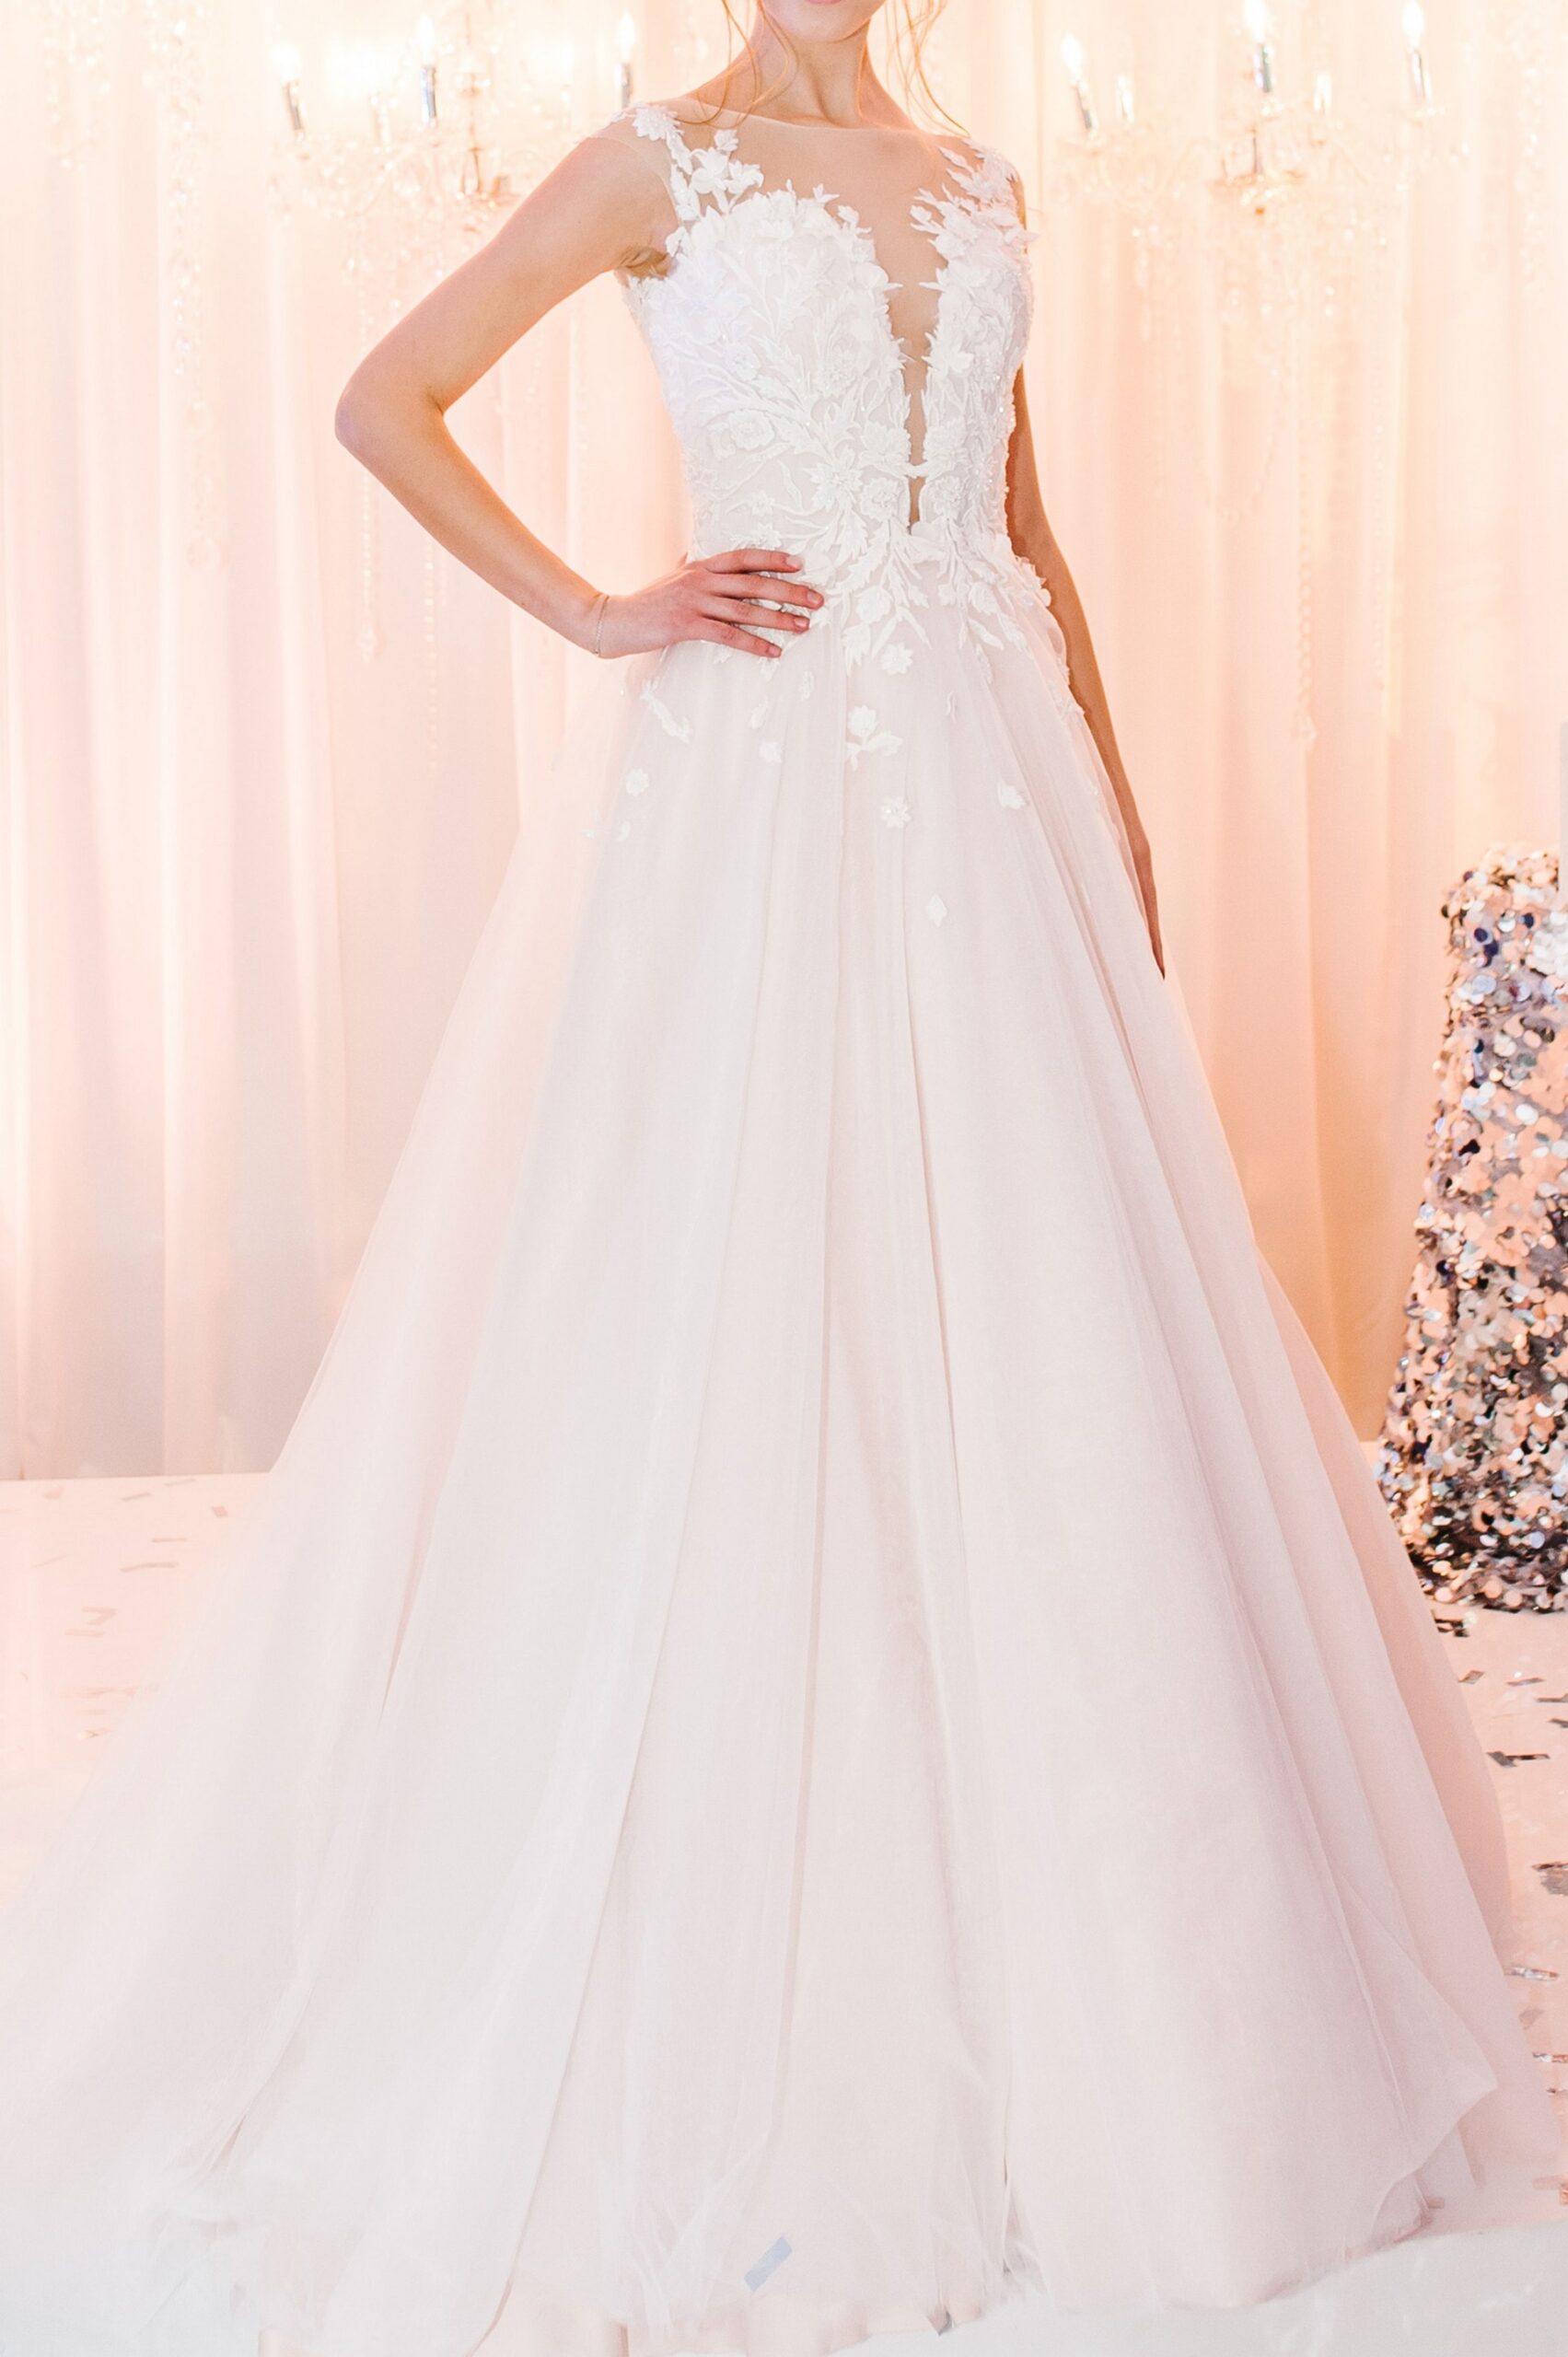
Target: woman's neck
[{"x": 814, "y": 81}]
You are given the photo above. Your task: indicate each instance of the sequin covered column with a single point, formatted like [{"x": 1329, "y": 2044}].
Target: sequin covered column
[{"x": 1474, "y": 1458}]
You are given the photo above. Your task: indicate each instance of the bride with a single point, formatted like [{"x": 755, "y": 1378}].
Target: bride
[{"x": 820, "y": 1726}]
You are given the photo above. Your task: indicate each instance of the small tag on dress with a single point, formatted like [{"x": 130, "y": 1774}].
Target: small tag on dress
[{"x": 757, "y": 2275}]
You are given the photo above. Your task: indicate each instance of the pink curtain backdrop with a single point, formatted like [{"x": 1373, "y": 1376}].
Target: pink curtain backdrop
[{"x": 263, "y": 749}]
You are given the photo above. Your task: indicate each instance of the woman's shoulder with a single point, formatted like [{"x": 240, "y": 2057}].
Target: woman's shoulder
[
  {"x": 650, "y": 139},
  {"x": 665, "y": 120},
  {"x": 991, "y": 175}
]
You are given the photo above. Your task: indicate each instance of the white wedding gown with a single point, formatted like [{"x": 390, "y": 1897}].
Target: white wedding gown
[{"x": 820, "y": 1726}]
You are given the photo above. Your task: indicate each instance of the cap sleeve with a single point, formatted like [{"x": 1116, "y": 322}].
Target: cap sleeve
[{"x": 653, "y": 135}]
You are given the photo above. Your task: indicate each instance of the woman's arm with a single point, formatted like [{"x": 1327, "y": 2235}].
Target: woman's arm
[
  {"x": 600, "y": 209},
  {"x": 1032, "y": 536}
]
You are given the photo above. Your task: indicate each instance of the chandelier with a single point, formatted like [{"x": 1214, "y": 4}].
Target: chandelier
[
  {"x": 1269, "y": 147},
  {"x": 410, "y": 140},
  {"x": 1277, "y": 226}
]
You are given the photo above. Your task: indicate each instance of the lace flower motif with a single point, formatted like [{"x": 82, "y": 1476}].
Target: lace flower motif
[
  {"x": 668, "y": 721},
  {"x": 866, "y": 736}
]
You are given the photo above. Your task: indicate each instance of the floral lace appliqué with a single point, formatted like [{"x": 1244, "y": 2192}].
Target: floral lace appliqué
[
  {"x": 672, "y": 725},
  {"x": 864, "y": 736}
]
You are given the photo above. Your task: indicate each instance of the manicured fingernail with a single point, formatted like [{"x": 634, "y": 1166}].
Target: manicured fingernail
[
  {"x": 814, "y": 596},
  {"x": 794, "y": 561}
]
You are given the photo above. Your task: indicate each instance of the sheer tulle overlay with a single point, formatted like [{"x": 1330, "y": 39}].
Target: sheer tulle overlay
[{"x": 820, "y": 1726}]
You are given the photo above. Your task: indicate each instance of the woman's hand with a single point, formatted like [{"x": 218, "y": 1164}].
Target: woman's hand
[
  {"x": 1143, "y": 866},
  {"x": 715, "y": 597}
]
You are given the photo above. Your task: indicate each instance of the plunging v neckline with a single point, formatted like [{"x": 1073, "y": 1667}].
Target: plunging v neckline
[{"x": 846, "y": 218}]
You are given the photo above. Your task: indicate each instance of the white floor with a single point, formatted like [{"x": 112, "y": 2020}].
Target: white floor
[{"x": 91, "y": 1573}]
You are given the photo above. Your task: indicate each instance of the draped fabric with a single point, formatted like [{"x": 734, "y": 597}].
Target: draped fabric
[{"x": 265, "y": 749}]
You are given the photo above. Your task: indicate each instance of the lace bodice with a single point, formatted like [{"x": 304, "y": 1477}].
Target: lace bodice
[{"x": 859, "y": 418}]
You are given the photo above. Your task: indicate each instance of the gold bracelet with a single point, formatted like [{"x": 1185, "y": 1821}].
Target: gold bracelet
[{"x": 599, "y": 617}]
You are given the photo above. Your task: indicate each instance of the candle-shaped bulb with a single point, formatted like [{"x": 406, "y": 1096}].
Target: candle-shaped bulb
[
  {"x": 625, "y": 42},
  {"x": 1413, "y": 20},
  {"x": 1126, "y": 105},
  {"x": 1257, "y": 17},
  {"x": 360, "y": 70},
  {"x": 1323, "y": 93},
  {"x": 1074, "y": 61},
  {"x": 429, "y": 95},
  {"x": 371, "y": 65},
  {"x": 287, "y": 67}
]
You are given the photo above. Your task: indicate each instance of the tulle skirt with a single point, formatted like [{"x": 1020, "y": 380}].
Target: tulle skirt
[{"x": 820, "y": 1726}]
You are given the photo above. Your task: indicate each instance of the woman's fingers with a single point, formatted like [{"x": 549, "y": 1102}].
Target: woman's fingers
[
  {"x": 786, "y": 593},
  {"x": 719, "y": 597},
  {"x": 752, "y": 561},
  {"x": 748, "y": 609},
  {"x": 729, "y": 634},
  {"x": 1151, "y": 920},
  {"x": 730, "y": 599},
  {"x": 736, "y": 571}
]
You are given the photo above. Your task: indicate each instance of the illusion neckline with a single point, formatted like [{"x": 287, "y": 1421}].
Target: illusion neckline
[{"x": 733, "y": 119}]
